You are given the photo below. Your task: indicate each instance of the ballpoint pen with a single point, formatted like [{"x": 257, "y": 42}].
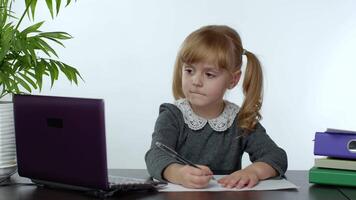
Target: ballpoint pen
[{"x": 175, "y": 155}]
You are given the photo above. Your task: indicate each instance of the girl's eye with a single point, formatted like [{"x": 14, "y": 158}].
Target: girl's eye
[
  {"x": 210, "y": 75},
  {"x": 188, "y": 70}
]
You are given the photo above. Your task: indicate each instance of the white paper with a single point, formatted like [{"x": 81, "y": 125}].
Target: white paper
[{"x": 214, "y": 186}]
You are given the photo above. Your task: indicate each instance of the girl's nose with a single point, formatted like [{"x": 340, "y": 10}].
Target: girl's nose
[{"x": 197, "y": 80}]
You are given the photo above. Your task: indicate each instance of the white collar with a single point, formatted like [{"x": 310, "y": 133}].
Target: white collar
[{"x": 195, "y": 122}]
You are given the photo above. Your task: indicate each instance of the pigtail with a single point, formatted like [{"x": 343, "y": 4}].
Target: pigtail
[{"x": 252, "y": 86}]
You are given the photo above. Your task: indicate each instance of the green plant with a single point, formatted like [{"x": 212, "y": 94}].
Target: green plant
[{"x": 26, "y": 56}]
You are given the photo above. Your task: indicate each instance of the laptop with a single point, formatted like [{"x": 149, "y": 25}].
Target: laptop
[{"x": 60, "y": 142}]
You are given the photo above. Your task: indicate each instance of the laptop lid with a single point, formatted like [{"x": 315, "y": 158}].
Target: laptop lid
[{"x": 61, "y": 140}]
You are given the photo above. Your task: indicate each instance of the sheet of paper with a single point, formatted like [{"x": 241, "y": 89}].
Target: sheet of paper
[{"x": 214, "y": 186}]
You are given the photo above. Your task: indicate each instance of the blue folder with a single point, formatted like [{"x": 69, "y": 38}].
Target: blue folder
[{"x": 335, "y": 144}]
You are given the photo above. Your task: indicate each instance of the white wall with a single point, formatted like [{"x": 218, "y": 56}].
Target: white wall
[{"x": 125, "y": 51}]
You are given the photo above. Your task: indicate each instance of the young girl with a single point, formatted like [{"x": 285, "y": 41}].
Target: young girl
[{"x": 206, "y": 129}]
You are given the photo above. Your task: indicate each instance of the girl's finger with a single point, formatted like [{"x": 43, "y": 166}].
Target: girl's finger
[
  {"x": 195, "y": 171},
  {"x": 243, "y": 182},
  {"x": 252, "y": 182},
  {"x": 199, "y": 181},
  {"x": 232, "y": 183},
  {"x": 206, "y": 170},
  {"x": 224, "y": 180}
]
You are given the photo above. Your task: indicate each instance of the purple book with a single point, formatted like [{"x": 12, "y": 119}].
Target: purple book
[{"x": 335, "y": 144}]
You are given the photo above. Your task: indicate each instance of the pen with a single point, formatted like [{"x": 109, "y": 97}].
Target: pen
[{"x": 175, "y": 155}]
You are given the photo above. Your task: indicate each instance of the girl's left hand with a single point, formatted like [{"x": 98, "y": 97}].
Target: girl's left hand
[{"x": 239, "y": 179}]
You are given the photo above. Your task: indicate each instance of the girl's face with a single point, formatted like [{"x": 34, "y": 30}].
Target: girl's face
[{"x": 204, "y": 84}]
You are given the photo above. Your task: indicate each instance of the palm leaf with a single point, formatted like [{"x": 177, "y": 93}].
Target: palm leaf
[
  {"x": 56, "y": 35},
  {"x": 53, "y": 70},
  {"x": 50, "y": 7},
  {"x": 28, "y": 79},
  {"x": 46, "y": 47},
  {"x": 58, "y": 5},
  {"x": 33, "y": 28},
  {"x": 55, "y": 40},
  {"x": 32, "y": 5},
  {"x": 23, "y": 83},
  {"x": 33, "y": 8},
  {"x": 68, "y": 2}
]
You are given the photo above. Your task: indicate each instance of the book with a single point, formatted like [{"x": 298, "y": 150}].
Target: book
[
  {"x": 334, "y": 163},
  {"x": 340, "y": 145},
  {"x": 332, "y": 176}
]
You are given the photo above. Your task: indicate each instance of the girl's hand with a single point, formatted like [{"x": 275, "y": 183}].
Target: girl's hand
[
  {"x": 192, "y": 177},
  {"x": 239, "y": 179},
  {"x": 249, "y": 176}
]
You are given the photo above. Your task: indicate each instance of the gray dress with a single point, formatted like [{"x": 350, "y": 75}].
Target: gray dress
[{"x": 220, "y": 151}]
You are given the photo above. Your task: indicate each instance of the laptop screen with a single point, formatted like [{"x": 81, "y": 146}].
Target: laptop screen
[{"x": 61, "y": 139}]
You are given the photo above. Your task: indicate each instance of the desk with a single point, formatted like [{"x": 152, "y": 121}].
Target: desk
[{"x": 300, "y": 178}]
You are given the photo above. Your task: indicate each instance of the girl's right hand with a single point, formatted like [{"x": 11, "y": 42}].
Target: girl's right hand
[{"x": 192, "y": 177}]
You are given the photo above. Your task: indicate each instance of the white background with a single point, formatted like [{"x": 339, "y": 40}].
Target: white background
[{"x": 125, "y": 50}]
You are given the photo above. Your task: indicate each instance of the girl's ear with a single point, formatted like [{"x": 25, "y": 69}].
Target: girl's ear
[{"x": 235, "y": 79}]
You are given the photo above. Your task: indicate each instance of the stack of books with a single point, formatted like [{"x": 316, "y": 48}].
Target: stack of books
[{"x": 338, "y": 166}]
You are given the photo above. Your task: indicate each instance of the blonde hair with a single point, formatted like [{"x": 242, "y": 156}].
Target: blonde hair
[{"x": 221, "y": 45}]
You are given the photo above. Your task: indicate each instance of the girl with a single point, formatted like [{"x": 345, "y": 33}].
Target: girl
[{"x": 208, "y": 130}]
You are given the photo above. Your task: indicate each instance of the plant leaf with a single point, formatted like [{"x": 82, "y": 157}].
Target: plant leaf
[
  {"x": 53, "y": 70},
  {"x": 28, "y": 79},
  {"x": 5, "y": 40},
  {"x": 58, "y": 5},
  {"x": 33, "y": 28},
  {"x": 33, "y": 8},
  {"x": 37, "y": 46},
  {"x": 39, "y": 71},
  {"x": 25, "y": 63},
  {"x": 55, "y": 40},
  {"x": 13, "y": 86},
  {"x": 31, "y": 50},
  {"x": 31, "y": 74},
  {"x": 72, "y": 72},
  {"x": 45, "y": 47},
  {"x": 68, "y": 2},
  {"x": 23, "y": 83},
  {"x": 56, "y": 35},
  {"x": 64, "y": 70},
  {"x": 27, "y": 3},
  {"x": 50, "y": 7}
]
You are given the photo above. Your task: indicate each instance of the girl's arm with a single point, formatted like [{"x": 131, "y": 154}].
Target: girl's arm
[
  {"x": 261, "y": 148},
  {"x": 268, "y": 160},
  {"x": 162, "y": 166},
  {"x": 166, "y": 131}
]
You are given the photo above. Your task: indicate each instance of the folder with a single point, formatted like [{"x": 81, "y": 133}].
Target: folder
[
  {"x": 335, "y": 163},
  {"x": 332, "y": 176},
  {"x": 339, "y": 145}
]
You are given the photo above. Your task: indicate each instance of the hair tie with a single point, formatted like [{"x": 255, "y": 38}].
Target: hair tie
[{"x": 244, "y": 52}]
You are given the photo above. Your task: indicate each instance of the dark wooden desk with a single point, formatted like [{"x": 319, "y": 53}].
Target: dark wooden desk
[{"x": 300, "y": 178}]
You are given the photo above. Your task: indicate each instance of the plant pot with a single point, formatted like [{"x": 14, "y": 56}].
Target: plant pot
[{"x": 8, "y": 162}]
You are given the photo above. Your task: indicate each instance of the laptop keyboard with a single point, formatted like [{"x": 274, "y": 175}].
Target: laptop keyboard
[
  {"x": 131, "y": 184},
  {"x": 120, "y": 180}
]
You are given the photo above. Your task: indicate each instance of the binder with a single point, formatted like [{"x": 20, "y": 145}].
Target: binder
[
  {"x": 334, "y": 163},
  {"x": 339, "y": 145},
  {"x": 332, "y": 176}
]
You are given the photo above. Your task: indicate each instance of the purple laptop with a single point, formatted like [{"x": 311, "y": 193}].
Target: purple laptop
[{"x": 61, "y": 140}]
